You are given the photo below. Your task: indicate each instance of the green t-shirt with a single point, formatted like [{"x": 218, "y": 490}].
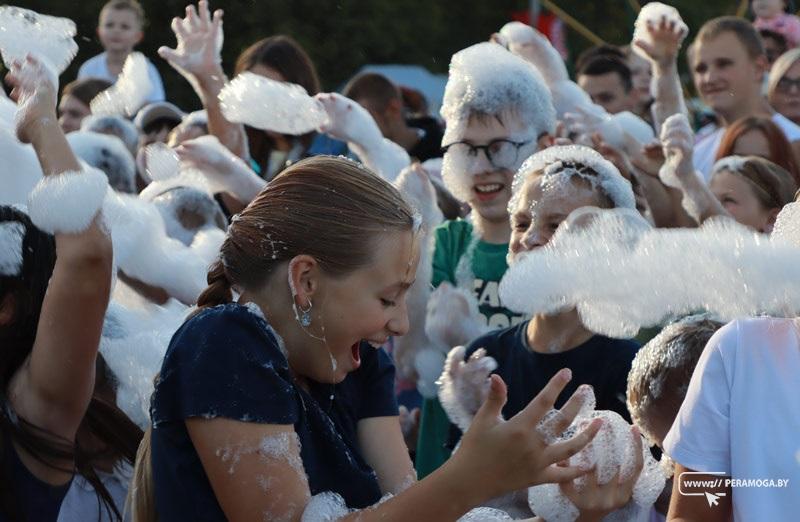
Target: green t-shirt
[{"x": 482, "y": 274}]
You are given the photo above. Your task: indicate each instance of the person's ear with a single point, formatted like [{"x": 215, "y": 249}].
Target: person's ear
[
  {"x": 394, "y": 108},
  {"x": 8, "y": 309},
  {"x": 139, "y": 37},
  {"x": 772, "y": 217},
  {"x": 304, "y": 279}
]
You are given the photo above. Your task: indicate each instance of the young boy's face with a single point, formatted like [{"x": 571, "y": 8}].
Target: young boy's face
[
  {"x": 542, "y": 207},
  {"x": 485, "y": 183},
  {"x": 119, "y": 30},
  {"x": 724, "y": 74}
]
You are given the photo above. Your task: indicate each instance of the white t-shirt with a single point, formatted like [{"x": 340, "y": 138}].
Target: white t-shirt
[
  {"x": 708, "y": 139},
  {"x": 81, "y": 502},
  {"x": 741, "y": 415},
  {"x": 97, "y": 67}
]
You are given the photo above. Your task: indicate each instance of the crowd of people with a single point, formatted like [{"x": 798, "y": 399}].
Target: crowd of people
[{"x": 299, "y": 305}]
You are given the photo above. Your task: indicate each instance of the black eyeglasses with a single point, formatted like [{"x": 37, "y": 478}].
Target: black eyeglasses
[
  {"x": 785, "y": 84},
  {"x": 502, "y": 153}
]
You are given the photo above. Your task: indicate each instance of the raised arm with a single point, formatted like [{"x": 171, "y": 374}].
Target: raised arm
[
  {"x": 52, "y": 389},
  {"x": 495, "y": 457},
  {"x": 197, "y": 58},
  {"x": 678, "y": 171},
  {"x": 661, "y": 49}
]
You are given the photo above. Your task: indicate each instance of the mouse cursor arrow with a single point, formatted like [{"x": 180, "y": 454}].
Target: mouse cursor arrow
[{"x": 713, "y": 499}]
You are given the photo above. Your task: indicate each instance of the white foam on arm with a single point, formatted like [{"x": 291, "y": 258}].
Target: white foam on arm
[
  {"x": 49, "y": 38},
  {"x": 267, "y": 104},
  {"x": 348, "y": 121},
  {"x": 130, "y": 91}
]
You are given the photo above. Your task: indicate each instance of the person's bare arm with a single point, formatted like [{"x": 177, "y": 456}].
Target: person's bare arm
[
  {"x": 384, "y": 449},
  {"x": 697, "y": 508},
  {"x": 495, "y": 456},
  {"x": 53, "y": 387},
  {"x": 197, "y": 58},
  {"x": 662, "y": 53}
]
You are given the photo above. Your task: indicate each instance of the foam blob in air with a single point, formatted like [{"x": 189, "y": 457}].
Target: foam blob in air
[
  {"x": 622, "y": 275},
  {"x": 130, "y": 91},
  {"x": 24, "y": 32},
  {"x": 271, "y": 105}
]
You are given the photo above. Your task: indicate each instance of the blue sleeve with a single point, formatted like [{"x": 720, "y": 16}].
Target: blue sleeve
[
  {"x": 225, "y": 362},
  {"x": 377, "y": 378}
]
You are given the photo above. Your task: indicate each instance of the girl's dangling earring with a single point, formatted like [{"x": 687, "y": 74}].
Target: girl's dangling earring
[{"x": 303, "y": 316}]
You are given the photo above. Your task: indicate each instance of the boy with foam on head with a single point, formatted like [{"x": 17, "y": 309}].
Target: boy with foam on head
[
  {"x": 498, "y": 111},
  {"x": 120, "y": 29},
  {"x": 728, "y": 64}
]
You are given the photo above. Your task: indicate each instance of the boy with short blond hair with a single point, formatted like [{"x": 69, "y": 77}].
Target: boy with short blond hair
[{"x": 120, "y": 29}]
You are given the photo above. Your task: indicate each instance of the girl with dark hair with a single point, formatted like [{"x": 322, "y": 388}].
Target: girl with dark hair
[
  {"x": 283, "y": 393},
  {"x": 49, "y": 350}
]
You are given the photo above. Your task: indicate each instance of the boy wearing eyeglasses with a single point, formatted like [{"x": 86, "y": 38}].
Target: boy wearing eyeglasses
[
  {"x": 728, "y": 64},
  {"x": 497, "y": 112}
]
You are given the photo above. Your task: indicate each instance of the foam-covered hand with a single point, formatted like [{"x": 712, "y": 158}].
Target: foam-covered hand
[
  {"x": 659, "y": 32},
  {"x": 453, "y": 318},
  {"x": 221, "y": 166},
  {"x": 348, "y": 121},
  {"x": 34, "y": 90},
  {"x": 464, "y": 385},
  {"x": 677, "y": 141},
  {"x": 533, "y": 46}
]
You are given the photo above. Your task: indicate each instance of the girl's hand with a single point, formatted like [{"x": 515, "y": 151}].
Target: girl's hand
[{"x": 512, "y": 455}]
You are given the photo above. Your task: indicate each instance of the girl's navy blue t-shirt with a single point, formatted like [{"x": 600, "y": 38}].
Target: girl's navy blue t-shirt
[{"x": 226, "y": 362}]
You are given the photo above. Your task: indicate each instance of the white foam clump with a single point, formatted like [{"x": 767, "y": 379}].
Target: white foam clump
[
  {"x": 143, "y": 250},
  {"x": 18, "y": 182},
  {"x": 107, "y": 153},
  {"x": 325, "y": 507},
  {"x": 729, "y": 163},
  {"x": 135, "y": 337},
  {"x": 611, "y": 452},
  {"x": 575, "y": 160},
  {"x": 464, "y": 385},
  {"x": 623, "y": 275},
  {"x": 130, "y": 91},
  {"x": 49, "y": 38},
  {"x": 489, "y": 79},
  {"x": 537, "y": 49},
  {"x": 417, "y": 189},
  {"x": 192, "y": 217},
  {"x": 271, "y": 105},
  {"x": 67, "y": 202},
  {"x": 452, "y": 319},
  {"x": 11, "y": 235},
  {"x": 787, "y": 225},
  {"x": 653, "y": 13},
  {"x": 162, "y": 162},
  {"x": 485, "y": 514}
]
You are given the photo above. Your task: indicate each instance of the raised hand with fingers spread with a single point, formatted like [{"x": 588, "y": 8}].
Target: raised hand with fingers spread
[{"x": 197, "y": 54}]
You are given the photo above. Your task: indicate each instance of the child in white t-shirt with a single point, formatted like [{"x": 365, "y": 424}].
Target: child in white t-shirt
[
  {"x": 741, "y": 421},
  {"x": 119, "y": 30}
]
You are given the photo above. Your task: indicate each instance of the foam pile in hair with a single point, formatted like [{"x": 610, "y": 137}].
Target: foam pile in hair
[
  {"x": 270, "y": 105},
  {"x": 130, "y": 91},
  {"x": 107, "y": 153},
  {"x": 557, "y": 162},
  {"x": 622, "y": 275},
  {"x": 49, "y": 38},
  {"x": 489, "y": 79}
]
